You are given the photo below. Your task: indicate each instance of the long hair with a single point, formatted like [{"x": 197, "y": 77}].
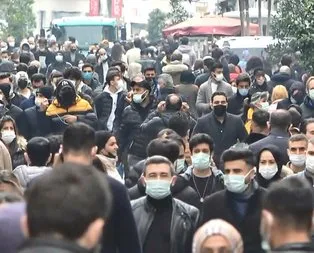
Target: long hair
[{"x": 116, "y": 52}]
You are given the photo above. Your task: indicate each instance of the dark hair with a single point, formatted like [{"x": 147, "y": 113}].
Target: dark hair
[
  {"x": 164, "y": 147},
  {"x": 286, "y": 60},
  {"x": 180, "y": 123},
  {"x": 116, "y": 52},
  {"x": 290, "y": 201},
  {"x": 22, "y": 67},
  {"x": 234, "y": 59},
  {"x": 279, "y": 161},
  {"x": 217, "y": 53},
  {"x": 216, "y": 65},
  {"x": 176, "y": 57},
  {"x": 137, "y": 43},
  {"x": 99, "y": 165},
  {"x": 218, "y": 93},
  {"x": 209, "y": 62},
  {"x": 88, "y": 65},
  {"x": 25, "y": 58},
  {"x": 38, "y": 151},
  {"x": 73, "y": 73},
  {"x": 184, "y": 40},
  {"x": 243, "y": 77},
  {"x": 54, "y": 142},
  {"x": 39, "y": 77},
  {"x": 157, "y": 159},
  {"x": 5, "y": 52},
  {"x": 235, "y": 153},
  {"x": 65, "y": 93},
  {"x": 296, "y": 117},
  {"x": 200, "y": 139},
  {"x": 253, "y": 63},
  {"x": 260, "y": 118},
  {"x": 111, "y": 75},
  {"x": 66, "y": 192},
  {"x": 280, "y": 119},
  {"x": 120, "y": 64},
  {"x": 199, "y": 64},
  {"x": 102, "y": 138},
  {"x": 32, "y": 70},
  {"x": 78, "y": 137},
  {"x": 8, "y": 118}
]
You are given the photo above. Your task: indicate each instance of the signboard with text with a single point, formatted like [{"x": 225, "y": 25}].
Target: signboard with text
[
  {"x": 94, "y": 7},
  {"x": 116, "y": 8}
]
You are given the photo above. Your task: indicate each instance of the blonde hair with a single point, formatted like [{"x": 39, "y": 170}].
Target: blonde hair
[
  {"x": 279, "y": 92},
  {"x": 311, "y": 78}
]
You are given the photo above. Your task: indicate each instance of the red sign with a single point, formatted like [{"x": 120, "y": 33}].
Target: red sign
[
  {"x": 116, "y": 9},
  {"x": 93, "y": 7}
]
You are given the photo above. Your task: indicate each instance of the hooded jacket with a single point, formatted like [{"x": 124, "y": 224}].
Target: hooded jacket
[
  {"x": 307, "y": 108},
  {"x": 175, "y": 68},
  {"x": 281, "y": 79},
  {"x": 187, "y": 50},
  {"x": 26, "y": 173}
]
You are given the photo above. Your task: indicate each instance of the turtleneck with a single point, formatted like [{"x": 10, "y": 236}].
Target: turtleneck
[{"x": 160, "y": 204}]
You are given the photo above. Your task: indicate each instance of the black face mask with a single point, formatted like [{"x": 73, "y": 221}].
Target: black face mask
[
  {"x": 220, "y": 110},
  {"x": 22, "y": 83}
]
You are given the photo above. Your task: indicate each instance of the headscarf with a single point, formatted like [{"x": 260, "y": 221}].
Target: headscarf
[{"x": 218, "y": 227}]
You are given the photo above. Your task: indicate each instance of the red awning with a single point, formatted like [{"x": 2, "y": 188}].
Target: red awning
[{"x": 210, "y": 25}]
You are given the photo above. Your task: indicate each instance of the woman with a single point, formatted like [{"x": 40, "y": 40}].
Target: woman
[
  {"x": 108, "y": 153},
  {"x": 217, "y": 236},
  {"x": 15, "y": 143},
  {"x": 166, "y": 87},
  {"x": 117, "y": 53},
  {"x": 279, "y": 93},
  {"x": 269, "y": 166}
]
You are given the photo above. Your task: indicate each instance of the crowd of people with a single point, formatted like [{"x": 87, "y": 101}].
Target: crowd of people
[{"x": 145, "y": 148}]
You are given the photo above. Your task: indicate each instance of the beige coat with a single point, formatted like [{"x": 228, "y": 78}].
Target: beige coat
[{"x": 5, "y": 158}]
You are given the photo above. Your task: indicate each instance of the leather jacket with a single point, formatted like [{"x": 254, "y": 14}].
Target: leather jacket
[{"x": 183, "y": 223}]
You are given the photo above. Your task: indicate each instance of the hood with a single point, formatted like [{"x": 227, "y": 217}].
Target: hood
[
  {"x": 280, "y": 78},
  {"x": 175, "y": 67},
  {"x": 185, "y": 49}
]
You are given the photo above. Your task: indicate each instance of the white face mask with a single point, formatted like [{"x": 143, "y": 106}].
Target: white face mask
[
  {"x": 8, "y": 136},
  {"x": 12, "y": 44},
  {"x": 120, "y": 84},
  {"x": 297, "y": 160},
  {"x": 179, "y": 165},
  {"x": 236, "y": 183},
  {"x": 268, "y": 172},
  {"x": 219, "y": 77},
  {"x": 309, "y": 163},
  {"x": 59, "y": 58}
]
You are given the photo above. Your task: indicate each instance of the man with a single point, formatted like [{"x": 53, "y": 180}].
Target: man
[
  {"x": 88, "y": 76},
  {"x": 241, "y": 203},
  {"x": 38, "y": 81},
  {"x": 150, "y": 76},
  {"x": 259, "y": 126},
  {"x": 307, "y": 106},
  {"x": 259, "y": 84},
  {"x": 74, "y": 57},
  {"x": 218, "y": 56},
  {"x": 43, "y": 55},
  {"x": 75, "y": 75},
  {"x": 145, "y": 60},
  {"x": 111, "y": 102},
  {"x": 36, "y": 122},
  {"x": 68, "y": 108},
  {"x": 283, "y": 77},
  {"x": 297, "y": 152},
  {"x": 130, "y": 136},
  {"x": 280, "y": 121},
  {"x": 134, "y": 54},
  {"x": 37, "y": 155},
  {"x": 173, "y": 149},
  {"x": 225, "y": 129},
  {"x": 48, "y": 229},
  {"x": 287, "y": 217},
  {"x": 175, "y": 68},
  {"x": 236, "y": 102},
  {"x": 187, "y": 51},
  {"x": 79, "y": 147},
  {"x": 5, "y": 56},
  {"x": 11, "y": 43},
  {"x": 308, "y": 172},
  {"x": 203, "y": 176},
  {"x": 296, "y": 96},
  {"x": 215, "y": 83},
  {"x": 159, "y": 217},
  {"x": 103, "y": 64},
  {"x": 159, "y": 120},
  {"x": 308, "y": 128},
  {"x": 59, "y": 64}
]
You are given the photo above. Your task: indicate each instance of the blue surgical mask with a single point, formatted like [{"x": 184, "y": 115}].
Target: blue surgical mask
[
  {"x": 180, "y": 165},
  {"x": 311, "y": 94},
  {"x": 87, "y": 75},
  {"x": 236, "y": 183},
  {"x": 138, "y": 98},
  {"x": 201, "y": 161},
  {"x": 243, "y": 92},
  {"x": 158, "y": 189}
]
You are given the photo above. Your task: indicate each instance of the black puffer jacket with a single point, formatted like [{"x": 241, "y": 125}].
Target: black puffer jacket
[
  {"x": 156, "y": 122},
  {"x": 183, "y": 223},
  {"x": 103, "y": 106},
  {"x": 130, "y": 136},
  {"x": 135, "y": 174},
  {"x": 281, "y": 79},
  {"x": 180, "y": 190}
]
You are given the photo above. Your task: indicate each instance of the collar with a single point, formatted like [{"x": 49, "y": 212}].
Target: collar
[
  {"x": 279, "y": 132},
  {"x": 106, "y": 89},
  {"x": 80, "y": 86},
  {"x": 160, "y": 203}
]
